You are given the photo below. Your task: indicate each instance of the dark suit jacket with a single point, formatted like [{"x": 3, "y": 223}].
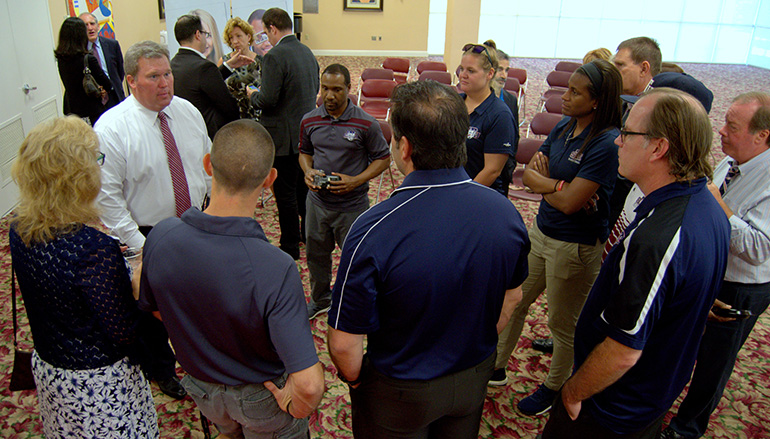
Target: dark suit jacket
[
  {"x": 199, "y": 81},
  {"x": 75, "y": 99},
  {"x": 113, "y": 56},
  {"x": 290, "y": 85}
]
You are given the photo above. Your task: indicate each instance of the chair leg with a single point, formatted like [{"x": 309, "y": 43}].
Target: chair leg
[{"x": 205, "y": 425}]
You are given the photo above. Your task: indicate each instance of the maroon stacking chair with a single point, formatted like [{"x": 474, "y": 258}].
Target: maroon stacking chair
[
  {"x": 400, "y": 67},
  {"x": 567, "y": 66},
  {"x": 374, "y": 97},
  {"x": 521, "y": 75},
  {"x": 553, "y": 104},
  {"x": 442, "y": 77},
  {"x": 526, "y": 150},
  {"x": 437, "y": 66},
  {"x": 557, "y": 83},
  {"x": 374, "y": 73},
  {"x": 388, "y": 134},
  {"x": 543, "y": 123}
]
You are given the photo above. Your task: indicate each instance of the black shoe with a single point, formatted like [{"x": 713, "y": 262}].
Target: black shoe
[
  {"x": 669, "y": 433},
  {"x": 543, "y": 345},
  {"x": 172, "y": 387},
  {"x": 498, "y": 379}
]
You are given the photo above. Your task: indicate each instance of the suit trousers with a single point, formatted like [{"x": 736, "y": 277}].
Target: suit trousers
[
  {"x": 290, "y": 193},
  {"x": 566, "y": 270},
  {"x": 717, "y": 353}
]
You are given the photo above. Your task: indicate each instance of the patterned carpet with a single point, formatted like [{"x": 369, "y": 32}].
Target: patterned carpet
[{"x": 744, "y": 411}]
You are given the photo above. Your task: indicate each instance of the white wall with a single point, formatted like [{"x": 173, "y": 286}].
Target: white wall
[{"x": 707, "y": 31}]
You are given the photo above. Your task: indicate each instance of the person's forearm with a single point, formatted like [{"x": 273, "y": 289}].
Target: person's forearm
[
  {"x": 608, "y": 362},
  {"x": 512, "y": 298},
  {"x": 306, "y": 391},
  {"x": 305, "y": 162},
  {"x": 374, "y": 169},
  {"x": 538, "y": 183},
  {"x": 346, "y": 352}
]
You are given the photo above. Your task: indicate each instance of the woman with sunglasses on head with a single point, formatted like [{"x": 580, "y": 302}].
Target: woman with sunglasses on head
[
  {"x": 77, "y": 291},
  {"x": 575, "y": 171},
  {"x": 239, "y": 35},
  {"x": 492, "y": 134}
]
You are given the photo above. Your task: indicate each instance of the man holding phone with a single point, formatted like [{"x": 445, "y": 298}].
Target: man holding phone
[{"x": 742, "y": 188}]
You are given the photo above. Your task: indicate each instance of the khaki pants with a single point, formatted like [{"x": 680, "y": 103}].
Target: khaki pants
[{"x": 566, "y": 270}]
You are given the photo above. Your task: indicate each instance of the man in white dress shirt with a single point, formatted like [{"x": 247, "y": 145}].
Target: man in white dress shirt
[
  {"x": 154, "y": 145},
  {"x": 742, "y": 187}
]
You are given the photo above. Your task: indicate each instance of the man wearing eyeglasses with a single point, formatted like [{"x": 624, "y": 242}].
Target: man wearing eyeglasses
[
  {"x": 198, "y": 80},
  {"x": 637, "y": 337}
]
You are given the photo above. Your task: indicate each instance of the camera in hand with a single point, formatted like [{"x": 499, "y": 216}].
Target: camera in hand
[
  {"x": 732, "y": 313},
  {"x": 322, "y": 181}
]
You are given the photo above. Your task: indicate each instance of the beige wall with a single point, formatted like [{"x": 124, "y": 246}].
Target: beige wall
[
  {"x": 135, "y": 20},
  {"x": 462, "y": 27},
  {"x": 403, "y": 26}
]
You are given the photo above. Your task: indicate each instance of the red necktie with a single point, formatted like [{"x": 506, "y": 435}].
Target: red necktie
[
  {"x": 178, "y": 178},
  {"x": 95, "y": 53}
]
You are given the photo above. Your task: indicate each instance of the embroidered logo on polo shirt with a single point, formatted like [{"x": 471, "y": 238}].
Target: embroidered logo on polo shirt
[
  {"x": 473, "y": 133},
  {"x": 576, "y": 156},
  {"x": 350, "y": 136}
]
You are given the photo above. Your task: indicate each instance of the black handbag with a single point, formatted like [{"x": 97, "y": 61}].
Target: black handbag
[
  {"x": 21, "y": 376},
  {"x": 91, "y": 87}
]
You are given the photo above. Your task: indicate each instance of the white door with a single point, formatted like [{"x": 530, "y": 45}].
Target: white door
[{"x": 29, "y": 82}]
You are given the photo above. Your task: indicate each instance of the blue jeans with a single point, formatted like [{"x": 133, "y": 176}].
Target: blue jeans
[
  {"x": 246, "y": 411},
  {"x": 716, "y": 357}
]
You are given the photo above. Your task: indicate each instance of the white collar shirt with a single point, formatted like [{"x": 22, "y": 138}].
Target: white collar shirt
[
  {"x": 748, "y": 196},
  {"x": 100, "y": 52},
  {"x": 136, "y": 181}
]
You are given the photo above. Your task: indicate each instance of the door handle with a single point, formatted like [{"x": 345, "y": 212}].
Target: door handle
[{"x": 27, "y": 88}]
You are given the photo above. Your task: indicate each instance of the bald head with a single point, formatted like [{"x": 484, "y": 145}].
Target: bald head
[{"x": 242, "y": 156}]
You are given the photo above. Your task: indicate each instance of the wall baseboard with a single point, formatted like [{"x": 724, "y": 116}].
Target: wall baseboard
[{"x": 400, "y": 53}]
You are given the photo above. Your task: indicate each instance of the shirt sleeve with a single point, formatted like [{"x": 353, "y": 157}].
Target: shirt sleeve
[
  {"x": 305, "y": 143},
  {"x": 115, "y": 214},
  {"x": 289, "y": 326},
  {"x": 499, "y": 136},
  {"x": 750, "y": 234},
  {"x": 376, "y": 145},
  {"x": 354, "y": 296},
  {"x": 600, "y": 161}
]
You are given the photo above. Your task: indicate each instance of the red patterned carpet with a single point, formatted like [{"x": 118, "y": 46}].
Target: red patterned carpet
[{"x": 744, "y": 411}]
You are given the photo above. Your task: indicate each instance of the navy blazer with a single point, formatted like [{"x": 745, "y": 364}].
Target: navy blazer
[
  {"x": 290, "y": 84},
  {"x": 199, "y": 81},
  {"x": 113, "y": 56}
]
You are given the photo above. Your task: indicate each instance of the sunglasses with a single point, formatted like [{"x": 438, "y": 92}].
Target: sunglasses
[{"x": 477, "y": 49}]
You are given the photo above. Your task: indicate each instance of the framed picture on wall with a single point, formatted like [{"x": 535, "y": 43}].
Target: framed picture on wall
[
  {"x": 161, "y": 10},
  {"x": 362, "y": 5}
]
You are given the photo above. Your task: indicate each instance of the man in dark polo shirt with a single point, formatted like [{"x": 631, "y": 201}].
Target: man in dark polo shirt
[
  {"x": 232, "y": 302},
  {"x": 430, "y": 275},
  {"x": 637, "y": 337},
  {"x": 336, "y": 139}
]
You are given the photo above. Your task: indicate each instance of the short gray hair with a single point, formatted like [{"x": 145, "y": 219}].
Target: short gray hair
[{"x": 143, "y": 49}]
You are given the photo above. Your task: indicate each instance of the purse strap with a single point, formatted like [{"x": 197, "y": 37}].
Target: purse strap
[
  {"x": 13, "y": 305},
  {"x": 86, "y": 70}
]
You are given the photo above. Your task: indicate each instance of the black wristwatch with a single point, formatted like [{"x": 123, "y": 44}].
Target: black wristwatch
[{"x": 345, "y": 380}]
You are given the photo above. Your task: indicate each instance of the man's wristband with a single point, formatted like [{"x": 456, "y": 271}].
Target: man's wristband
[
  {"x": 349, "y": 383},
  {"x": 558, "y": 186}
]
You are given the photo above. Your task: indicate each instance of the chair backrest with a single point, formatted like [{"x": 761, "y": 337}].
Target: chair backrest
[
  {"x": 442, "y": 77},
  {"x": 558, "y": 79},
  {"x": 431, "y": 65},
  {"x": 400, "y": 65},
  {"x": 519, "y": 74},
  {"x": 567, "y": 66},
  {"x": 543, "y": 123},
  {"x": 386, "y": 131},
  {"x": 377, "y": 74},
  {"x": 527, "y": 149},
  {"x": 377, "y": 88},
  {"x": 378, "y": 109},
  {"x": 512, "y": 85},
  {"x": 553, "y": 104}
]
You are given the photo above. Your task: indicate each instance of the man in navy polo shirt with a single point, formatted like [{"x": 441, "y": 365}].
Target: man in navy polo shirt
[
  {"x": 428, "y": 283},
  {"x": 233, "y": 303},
  {"x": 637, "y": 337},
  {"x": 336, "y": 139}
]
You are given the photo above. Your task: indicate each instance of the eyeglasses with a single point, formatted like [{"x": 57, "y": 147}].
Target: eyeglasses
[
  {"x": 478, "y": 49},
  {"x": 260, "y": 38},
  {"x": 624, "y": 133},
  {"x": 100, "y": 158},
  {"x": 208, "y": 34}
]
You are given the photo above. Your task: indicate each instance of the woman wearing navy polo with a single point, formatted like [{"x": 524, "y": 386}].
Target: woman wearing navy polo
[
  {"x": 575, "y": 170},
  {"x": 492, "y": 133}
]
